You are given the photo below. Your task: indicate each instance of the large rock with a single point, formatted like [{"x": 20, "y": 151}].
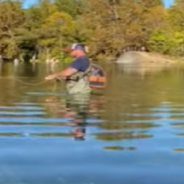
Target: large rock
[
  {"x": 136, "y": 57},
  {"x": 143, "y": 62}
]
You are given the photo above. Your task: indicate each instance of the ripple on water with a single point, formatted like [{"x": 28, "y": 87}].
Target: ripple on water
[
  {"x": 180, "y": 135},
  {"x": 178, "y": 125},
  {"x": 119, "y": 148},
  {"x": 179, "y": 150},
  {"x": 46, "y": 94},
  {"x": 5, "y": 113},
  {"x": 143, "y": 116},
  {"x": 138, "y": 133},
  {"x": 167, "y": 109},
  {"x": 22, "y": 108},
  {"x": 131, "y": 125},
  {"x": 44, "y": 120},
  {"x": 119, "y": 136}
]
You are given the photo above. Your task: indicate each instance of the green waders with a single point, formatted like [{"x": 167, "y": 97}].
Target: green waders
[
  {"x": 78, "y": 84},
  {"x": 78, "y": 101}
]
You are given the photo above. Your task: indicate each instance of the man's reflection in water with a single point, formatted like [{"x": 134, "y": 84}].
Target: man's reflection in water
[{"x": 77, "y": 108}]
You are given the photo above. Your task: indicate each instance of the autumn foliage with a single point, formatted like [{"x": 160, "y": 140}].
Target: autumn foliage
[{"x": 108, "y": 27}]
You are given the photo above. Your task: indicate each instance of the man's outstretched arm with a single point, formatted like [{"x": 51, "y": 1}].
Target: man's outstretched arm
[{"x": 63, "y": 74}]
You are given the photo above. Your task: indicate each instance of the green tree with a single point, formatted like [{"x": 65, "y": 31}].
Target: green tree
[
  {"x": 72, "y": 7},
  {"x": 12, "y": 17},
  {"x": 115, "y": 25},
  {"x": 56, "y": 31}
]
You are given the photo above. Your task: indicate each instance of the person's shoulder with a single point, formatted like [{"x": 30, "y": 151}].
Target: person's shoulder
[
  {"x": 83, "y": 61},
  {"x": 81, "y": 64}
]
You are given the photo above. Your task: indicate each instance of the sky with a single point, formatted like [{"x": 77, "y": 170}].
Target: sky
[
  {"x": 168, "y": 3},
  {"x": 28, "y": 3}
]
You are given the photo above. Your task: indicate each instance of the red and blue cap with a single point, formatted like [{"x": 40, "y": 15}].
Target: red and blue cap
[{"x": 76, "y": 46}]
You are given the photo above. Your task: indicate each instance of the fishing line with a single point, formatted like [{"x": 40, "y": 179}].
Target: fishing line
[
  {"x": 23, "y": 82},
  {"x": 30, "y": 84}
]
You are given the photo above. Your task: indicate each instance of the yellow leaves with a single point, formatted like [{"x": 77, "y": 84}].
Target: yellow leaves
[
  {"x": 153, "y": 20},
  {"x": 54, "y": 31},
  {"x": 11, "y": 17},
  {"x": 107, "y": 27},
  {"x": 11, "y": 14},
  {"x": 176, "y": 16},
  {"x": 135, "y": 23},
  {"x": 47, "y": 42},
  {"x": 47, "y": 7},
  {"x": 179, "y": 38},
  {"x": 61, "y": 21}
]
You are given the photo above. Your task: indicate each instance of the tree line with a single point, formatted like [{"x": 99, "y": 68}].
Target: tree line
[{"x": 107, "y": 27}]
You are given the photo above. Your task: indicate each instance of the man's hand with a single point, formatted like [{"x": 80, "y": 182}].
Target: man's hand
[
  {"x": 51, "y": 77},
  {"x": 55, "y": 76}
]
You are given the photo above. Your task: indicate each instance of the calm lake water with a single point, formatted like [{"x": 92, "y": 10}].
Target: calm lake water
[{"x": 132, "y": 132}]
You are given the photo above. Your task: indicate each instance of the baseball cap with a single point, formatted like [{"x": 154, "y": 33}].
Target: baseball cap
[{"x": 76, "y": 46}]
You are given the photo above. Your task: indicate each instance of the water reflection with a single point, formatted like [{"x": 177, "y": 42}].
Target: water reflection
[
  {"x": 116, "y": 136},
  {"x": 180, "y": 150},
  {"x": 119, "y": 148},
  {"x": 133, "y": 127},
  {"x": 81, "y": 110}
]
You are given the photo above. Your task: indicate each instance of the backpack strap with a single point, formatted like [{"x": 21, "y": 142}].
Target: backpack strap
[{"x": 87, "y": 70}]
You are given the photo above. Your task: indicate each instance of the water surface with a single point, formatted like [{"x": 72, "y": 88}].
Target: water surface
[{"x": 132, "y": 132}]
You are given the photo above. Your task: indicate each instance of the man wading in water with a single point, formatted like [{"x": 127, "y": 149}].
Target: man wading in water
[
  {"x": 76, "y": 75},
  {"x": 78, "y": 88},
  {"x": 80, "y": 77}
]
